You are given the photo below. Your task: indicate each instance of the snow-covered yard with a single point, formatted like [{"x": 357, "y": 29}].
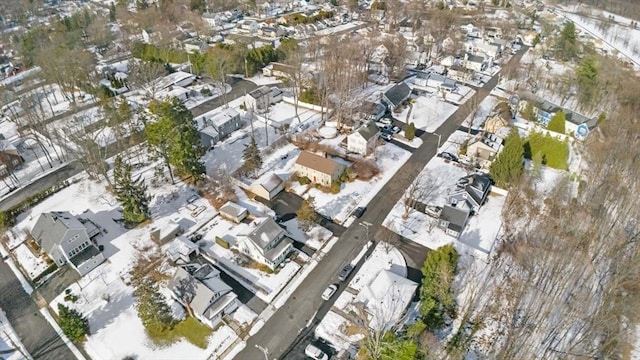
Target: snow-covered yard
[
  {"x": 32, "y": 264},
  {"x": 438, "y": 177},
  {"x": 357, "y": 193},
  {"x": 483, "y": 110},
  {"x": 313, "y": 238},
  {"x": 428, "y": 113}
]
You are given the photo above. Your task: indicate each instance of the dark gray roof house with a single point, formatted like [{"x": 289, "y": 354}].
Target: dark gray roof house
[
  {"x": 396, "y": 95},
  {"x": 67, "y": 239},
  {"x": 453, "y": 220},
  {"x": 473, "y": 194}
]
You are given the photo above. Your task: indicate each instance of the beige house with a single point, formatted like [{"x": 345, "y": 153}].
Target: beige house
[
  {"x": 318, "y": 169},
  {"x": 484, "y": 149}
]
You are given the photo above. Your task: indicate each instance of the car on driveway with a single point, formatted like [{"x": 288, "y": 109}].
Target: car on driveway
[
  {"x": 329, "y": 291},
  {"x": 385, "y": 136},
  {"x": 386, "y": 121},
  {"x": 359, "y": 211},
  {"x": 395, "y": 129},
  {"x": 345, "y": 272},
  {"x": 315, "y": 353},
  {"x": 448, "y": 156}
]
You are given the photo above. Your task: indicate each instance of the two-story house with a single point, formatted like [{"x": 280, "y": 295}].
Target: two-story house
[
  {"x": 217, "y": 125},
  {"x": 471, "y": 193},
  {"x": 261, "y": 98},
  {"x": 205, "y": 295},
  {"x": 265, "y": 242},
  {"x": 318, "y": 169},
  {"x": 395, "y": 96},
  {"x": 363, "y": 141},
  {"x": 68, "y": 239},
  {"x": 484, "y": 148}
]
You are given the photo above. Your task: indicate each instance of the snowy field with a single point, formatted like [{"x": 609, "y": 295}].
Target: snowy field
[
  {"x": 357, "y": 193},
  {"x": 314, "y": 238},
  {"x": 428, "y": 113}
]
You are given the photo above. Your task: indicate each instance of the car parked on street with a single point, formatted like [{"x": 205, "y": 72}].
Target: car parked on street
[
  {"x": 359, "y": 211},
  {"x": 448, "y": 156},
  {"x": 345, "y": 272},
  {"x": 329, "y": 291},
  {"x": 315, "y": 353}
]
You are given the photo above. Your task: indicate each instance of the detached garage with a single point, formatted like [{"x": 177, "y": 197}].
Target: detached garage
[{"x": 267, "y": 187}]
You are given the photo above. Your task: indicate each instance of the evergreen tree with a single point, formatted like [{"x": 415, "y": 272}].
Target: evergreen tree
[
  {"x": 132, "y": 194},
  {"x": 174, "y": 138},
  {"x": 567, "y": 44},
  {"x": 410, "y": 131},
  {"x": 587, "y": 73},
  {"x": 557, "y": 122},
  {"x": 251, "y": 156},
  {"x": 508, "y": 167},
  {"x": 436, "y": 296},
  {"x": 306, "y": 214},
  {"x": 152, "y": 307},
  {"x": 73, "y": 324},
  {"x": 112, "y": 12}
]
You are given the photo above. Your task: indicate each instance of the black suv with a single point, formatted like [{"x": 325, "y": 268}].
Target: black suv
[{"x": 345, "y": 272}]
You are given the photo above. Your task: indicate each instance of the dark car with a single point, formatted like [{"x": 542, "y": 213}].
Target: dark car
[
  {"x": 386, "y": 136},
  {"x": 359, "y": 211},
  {"x": 448, "y": 156},
  {"x": 345, "y": 272}
]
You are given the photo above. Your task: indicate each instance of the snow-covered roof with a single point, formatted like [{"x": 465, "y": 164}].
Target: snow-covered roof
[
  {"x": 386, "y": 298},
  {"x": 180, "y": 247}
]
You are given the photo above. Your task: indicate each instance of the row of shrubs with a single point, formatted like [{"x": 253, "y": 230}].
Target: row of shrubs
[{"x": 8, "y": 217}]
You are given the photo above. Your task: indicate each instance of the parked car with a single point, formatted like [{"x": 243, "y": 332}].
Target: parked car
[
  {"x": 359, "y": 211},
  {"x": 386, "y": 121},
  {"x": 315, "y": 353},
  {"x": 395, "y": 129},
  {"x": 433, "y": 211},
  {"x": 345, "y": 272},
  {"x": 448, "y": 156},
  {"x": 385, "y": 136},
  {"x": 329, "y": 291}
]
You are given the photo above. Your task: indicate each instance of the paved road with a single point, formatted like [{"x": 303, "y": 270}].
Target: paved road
[
  {"x": 39, "y": 338},
  {"x": 41, "y": 184},
  {"x": 291, "y": 320},
  {"x": 239, "y": 87}
]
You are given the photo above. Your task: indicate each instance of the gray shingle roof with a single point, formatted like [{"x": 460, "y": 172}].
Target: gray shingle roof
[
  {"x": 271, "y": 182},
  {"x": 399, "y": 93},
  {"x": 51, "y": 227},
  {"x": 199, "y": 289},
  {"x": 262, "y": 231},
  {"x": 368, "y": 130},
  {"x": 456, "y": 217}
]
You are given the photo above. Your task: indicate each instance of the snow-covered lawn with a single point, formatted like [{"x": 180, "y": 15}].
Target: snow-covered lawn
[
  {"x": 484, "y": 110},
  {"x": 262, "y": 80},
  {"x": 313, "y": 238},
  {"x": 33, "y": 265},
  {"x": 440, "y": 176},
  {"x": 9, "y": 340},
  {"x": 334, "y": 327},
  {"x": 243, "y": 315},
  {"x": 198, "y": 98},
  {"x": 462, "y": 94},
  {"x": 428, "y": 113},
  {"x": 357, "y": 193}
]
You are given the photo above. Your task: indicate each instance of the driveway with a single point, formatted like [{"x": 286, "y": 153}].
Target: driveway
[
  {"x": 286, "y": 204},
  {"x": 38, "y": 337},
  {"x": 301, "y": 313}
]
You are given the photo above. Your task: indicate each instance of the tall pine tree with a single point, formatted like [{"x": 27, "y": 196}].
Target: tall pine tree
[
  {"x": 152, "y": 307},
  {"x": 131, "y": 193},
  {"x": 175, "y": 138},
  {"x": 251, "y": 156},
  {"x": 507, "y": 169}
]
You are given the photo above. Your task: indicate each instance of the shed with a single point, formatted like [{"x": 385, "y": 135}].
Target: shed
[{"x": 233, "y": 212}]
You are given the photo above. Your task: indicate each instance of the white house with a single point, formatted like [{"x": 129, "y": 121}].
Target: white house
[
  {"x": 202, "y": 291},
  {"x": 363, "y": 140},
  {"x": 476, "y": 63},
  {"x": 385, "y": 299},
  {"x": 265, "y": 242},
  {"x": 233, "y": 212},
  {"x": 259, "y": 99}
]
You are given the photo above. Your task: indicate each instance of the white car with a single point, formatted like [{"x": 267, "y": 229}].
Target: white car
[
  {"x": 315, "y": 353},
  {"x": 386, "y": 121},
  {"x": 329, "y": 291}
]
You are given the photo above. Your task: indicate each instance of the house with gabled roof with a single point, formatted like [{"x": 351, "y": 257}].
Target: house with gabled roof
[
  {"x": 484, "y": 148},
  {"x": 453, "y": 220},
  {"x": 265, "y": 242},
  {"x": 268, "y": 186},
  {"x": 200, "y": 289},
  {"x": 471, "y": 192},
  {"x": 318, "y": 169},
  {"x": 395, "y": 96},
  {"x": 363, "y": 141},
  {"x": 68, "y": 239}
]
